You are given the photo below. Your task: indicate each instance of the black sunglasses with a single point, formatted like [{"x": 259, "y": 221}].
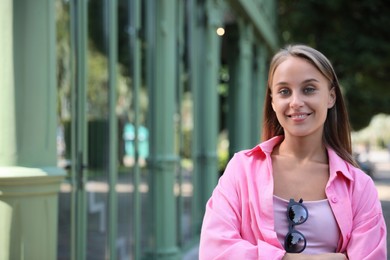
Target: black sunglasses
[{"x": 295, "y": 241}]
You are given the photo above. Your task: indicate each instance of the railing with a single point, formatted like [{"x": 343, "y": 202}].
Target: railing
[{"x": 146, "y": 89}]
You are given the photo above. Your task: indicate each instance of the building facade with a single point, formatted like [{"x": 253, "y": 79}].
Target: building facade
[{"x": 118, "y": 119}]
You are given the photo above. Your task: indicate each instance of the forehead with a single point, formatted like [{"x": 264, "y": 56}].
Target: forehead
[{"x": 296, "y": 70}]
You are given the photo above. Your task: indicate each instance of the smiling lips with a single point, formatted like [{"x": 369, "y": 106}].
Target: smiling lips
[{"x": 299, "y": 117}]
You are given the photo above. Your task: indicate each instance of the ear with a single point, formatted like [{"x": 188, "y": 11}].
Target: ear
[{"x": 332, "y": 98}]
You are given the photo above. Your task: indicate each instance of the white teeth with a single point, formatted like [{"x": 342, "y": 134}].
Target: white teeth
[{"x": 298, "y": 116}]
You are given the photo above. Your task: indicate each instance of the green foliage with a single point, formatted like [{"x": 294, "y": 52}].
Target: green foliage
[
  {"x": 223, "y": 159},
  {"x": 373, "y": 134},
  {"x": 97, "y": 71},
  {"x": 354, "y": 36},
  {"x": 63, "y": 59}
]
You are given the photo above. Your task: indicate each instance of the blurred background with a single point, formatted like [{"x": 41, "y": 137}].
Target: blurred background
[
  {"x": 165, "y": 93},
  {"x": 154, "y": 97}
]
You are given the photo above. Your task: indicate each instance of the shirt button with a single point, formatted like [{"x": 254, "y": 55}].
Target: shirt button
[{"x": 334, "y": 199}]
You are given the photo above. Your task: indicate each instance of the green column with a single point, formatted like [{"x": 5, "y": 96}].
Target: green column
[
  {"x": 134, "y": 11},
  {"x": 163, "y": 160},
  {"x": 259, "y": 84},
  {"x": 7, "y": 119},
  {"x": 35, "y": 81},
  {"x": 29, "y": 180},
  {"x": 112, "y": 41},
  {"x": 7, "y": 97},
  {"x": 205, "y": 82},
  {"x": 79, "y": 128},
  {"x": 240, "y": 69},
  {"x": 29, "y": 212}
]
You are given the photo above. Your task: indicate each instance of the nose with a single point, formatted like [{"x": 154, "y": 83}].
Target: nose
[{"x": 296, "y": 101}]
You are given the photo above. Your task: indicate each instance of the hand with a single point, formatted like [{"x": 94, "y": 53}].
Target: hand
[{"x": 327, "y": 256}]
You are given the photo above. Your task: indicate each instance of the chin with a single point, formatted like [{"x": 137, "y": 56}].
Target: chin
[{"x": 302, "y": 133}]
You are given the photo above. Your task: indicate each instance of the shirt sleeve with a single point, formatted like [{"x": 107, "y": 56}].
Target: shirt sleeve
[
  {"x": 368, "y": 236},
  {"x": 221, "y": 229}
]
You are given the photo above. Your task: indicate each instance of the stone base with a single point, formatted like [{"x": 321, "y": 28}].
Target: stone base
[{"x": 29, "y": 212}]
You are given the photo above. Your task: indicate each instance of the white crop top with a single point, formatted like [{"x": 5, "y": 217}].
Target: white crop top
[{"x": 320, "y": 229}]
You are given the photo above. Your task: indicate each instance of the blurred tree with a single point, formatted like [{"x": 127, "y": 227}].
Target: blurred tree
[
  {"x": 97, "y": 29},
  {"x": 63, "y": 60},
  {"x": 354, "y": 35},
  {"x": 97, "y": 72}
]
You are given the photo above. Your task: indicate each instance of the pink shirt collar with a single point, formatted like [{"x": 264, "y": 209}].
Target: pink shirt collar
[{"x": 336, "y": 164}]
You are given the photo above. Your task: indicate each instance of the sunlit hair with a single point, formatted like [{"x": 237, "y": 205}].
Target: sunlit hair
[{"x": 336, "y": 128}]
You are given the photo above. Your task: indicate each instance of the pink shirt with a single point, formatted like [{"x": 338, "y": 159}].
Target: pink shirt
[{"x": 239, "y": 218}]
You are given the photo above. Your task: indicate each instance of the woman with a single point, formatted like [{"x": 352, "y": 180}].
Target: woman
[{"x": 299, "y": 194}]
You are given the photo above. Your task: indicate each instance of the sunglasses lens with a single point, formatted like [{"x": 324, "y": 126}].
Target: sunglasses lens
[
  {"x": 297, "y": 214},
  {"x": 295, "y": 242}
]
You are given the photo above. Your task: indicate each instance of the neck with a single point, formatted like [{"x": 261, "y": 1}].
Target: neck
[{"x": 304, "y": 148}]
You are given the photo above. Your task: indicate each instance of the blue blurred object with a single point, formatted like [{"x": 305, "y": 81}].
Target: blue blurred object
[{"x": 143, "y": 142}]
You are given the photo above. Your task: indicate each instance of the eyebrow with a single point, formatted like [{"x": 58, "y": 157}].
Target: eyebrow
[{"x": 283, "y": 83}]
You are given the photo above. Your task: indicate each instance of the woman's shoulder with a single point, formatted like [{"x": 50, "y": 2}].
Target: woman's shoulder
[
  {"x": 246, "y": 164},
  {"x": 260, "y": 150},
  {"x": 362, "y": 185},
  {"x": 245, "y": 159},
  {"x": 339, "y": 165},
  {"x": 360, "y": 178},
  {"x": 344, "y": 172}
]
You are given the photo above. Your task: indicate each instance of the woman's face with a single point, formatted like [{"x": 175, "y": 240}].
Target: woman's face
[{"x": 301, "y": 97}]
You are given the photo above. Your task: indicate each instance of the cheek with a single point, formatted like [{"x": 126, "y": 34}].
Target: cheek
[
  {"x": 279, "y": 105},
  {"x": 279, "y": 110},
  {"x": 322, "y": 112}
]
